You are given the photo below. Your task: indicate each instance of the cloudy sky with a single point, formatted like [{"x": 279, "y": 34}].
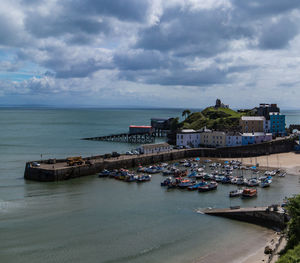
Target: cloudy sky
[{"x": 161, "y": 53}]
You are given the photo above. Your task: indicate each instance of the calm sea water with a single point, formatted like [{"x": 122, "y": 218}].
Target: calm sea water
[{"x": 103, "y": 220}]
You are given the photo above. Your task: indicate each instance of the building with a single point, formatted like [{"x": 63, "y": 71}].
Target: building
[
  {"x": 154, "y": 148},
  {"x": 252, "y": 124},
  {"x": 277, "y": 124},
  {"x": 255, "y": 137},
  {"x": 233, "y": 139},
  {"x": 265, "y": 109},
  {"x": 161, "y": 123},
  {"x": 188, "y": 137},
  {"x": 267, "y": 126},
  {"x": 139, "y": 129},
  {"x": 219, "y": 104},
  {"x": 213, "y": 139}
]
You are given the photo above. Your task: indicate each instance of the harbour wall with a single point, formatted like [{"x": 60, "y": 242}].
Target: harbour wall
[
  {"x": 264, "y": 216},
  {"x": 57, "y": 172}
]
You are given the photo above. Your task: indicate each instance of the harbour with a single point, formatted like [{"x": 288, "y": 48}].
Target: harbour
[
  {"x": 60, "y": 170},
  {"x": 99, "y": 219}
]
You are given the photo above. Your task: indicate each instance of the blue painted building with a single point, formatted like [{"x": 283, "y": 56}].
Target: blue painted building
[
  {"x": 248, "y": 138},
  {"x": 277, "y": 124}
]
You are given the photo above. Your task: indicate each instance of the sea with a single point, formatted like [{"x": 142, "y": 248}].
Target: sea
[{"x": 102, "y": 220}]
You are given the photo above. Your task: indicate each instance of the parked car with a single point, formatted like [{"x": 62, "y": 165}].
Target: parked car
[
  {"x": 36, "y": 164},
  {"x": 115, "y": 154},
  {"x": 107, "y": 155},
  {"x": 136, "y": 152},
  {"x": 129, "y": 153}
]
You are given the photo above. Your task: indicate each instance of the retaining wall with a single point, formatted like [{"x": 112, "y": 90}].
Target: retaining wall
[{"x": 64, "y": 173}]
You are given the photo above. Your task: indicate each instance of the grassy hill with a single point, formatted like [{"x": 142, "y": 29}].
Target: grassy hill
[{"x": 213, "y": 118}]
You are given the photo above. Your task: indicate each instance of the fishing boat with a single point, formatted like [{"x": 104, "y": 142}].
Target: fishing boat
[
  {"x": 249, "y": 193},
  {"x": 236, "y": 193},
  {"x": 104, "y": 173},
  {"x": 192, "y": 174},
  {"x": 266, "y": 182},
  {"x": 282, "y": 175},
  {"x": 185, "y": 184},
  {"x": 226, "y": 180},
  {"x": 209, "y": 187},
  {"x": 130, "y": 178},
  {"x": 166, "y": 182},
  {"x": 196, "y": 186},
  {"x": 143, "y": 178},
  {"x": 252, "y": 182}
]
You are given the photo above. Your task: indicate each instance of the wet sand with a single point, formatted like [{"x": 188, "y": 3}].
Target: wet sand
[
  {"x": 249, "y": 251},
  {"x": 290, "y": 162}
]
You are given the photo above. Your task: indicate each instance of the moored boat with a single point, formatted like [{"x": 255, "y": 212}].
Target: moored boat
[
  {"x": 248, "y": 193},
  {"x": 235, "y": 193},
  {"x": 209, "y": 187},
  {"x": 196, "y": 186}
]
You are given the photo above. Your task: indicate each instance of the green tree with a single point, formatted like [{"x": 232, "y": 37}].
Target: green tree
[
  {"x": 294, "y": 223},
  {"x": 174, "y": 124},
  {"x": 186, "y": 113}
]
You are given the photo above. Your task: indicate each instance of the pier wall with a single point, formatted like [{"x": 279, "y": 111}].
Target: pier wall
[
  {"x": 58, "y": 172},
  {"x": 263, "y": 217}
]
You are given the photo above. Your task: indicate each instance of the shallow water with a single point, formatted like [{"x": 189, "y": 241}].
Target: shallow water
[{"x": 103, "y": 220}]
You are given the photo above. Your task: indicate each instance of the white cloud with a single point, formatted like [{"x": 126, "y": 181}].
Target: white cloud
[{"x": 168, "y": 53}]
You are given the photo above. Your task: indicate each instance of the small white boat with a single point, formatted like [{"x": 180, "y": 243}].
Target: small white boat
[{"x": 235, "y": 193}]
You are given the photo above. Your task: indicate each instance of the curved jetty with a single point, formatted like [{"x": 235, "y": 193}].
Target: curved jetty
[{"x": 269, "y": 216}]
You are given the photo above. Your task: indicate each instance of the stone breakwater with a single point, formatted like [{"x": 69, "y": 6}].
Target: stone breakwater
[
  {"x": 264, "y": 216},
  {"x": 60, "y": 170}
]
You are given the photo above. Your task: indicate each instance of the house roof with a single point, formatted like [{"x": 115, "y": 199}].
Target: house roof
[
  {"x": 233, "y": 134},
  {"x": 256, "y": 134},
  {"x": 187, "y": 131},
  {"x": 204, "y": 129},
  {"x": 253, "y": 118}
]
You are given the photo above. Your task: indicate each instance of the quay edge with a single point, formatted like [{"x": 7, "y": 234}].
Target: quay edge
[{"x": 61, "y": 171}]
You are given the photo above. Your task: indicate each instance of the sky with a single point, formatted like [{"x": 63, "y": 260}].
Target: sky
[{"x": 150, "y": 53}]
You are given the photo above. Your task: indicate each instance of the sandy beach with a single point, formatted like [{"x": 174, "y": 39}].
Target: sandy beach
[{"x": 290, "y": 162}]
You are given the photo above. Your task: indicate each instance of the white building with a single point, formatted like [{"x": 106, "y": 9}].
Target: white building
[
  {"x": 188, "y": 137},
  {"x": 213, "y": 138},
  {"x": 155, "y": 148},
  {"x": 233, "y": 139}
]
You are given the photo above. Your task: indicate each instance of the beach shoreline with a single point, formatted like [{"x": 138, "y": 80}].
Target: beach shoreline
[{"x": 289, "y": 162}]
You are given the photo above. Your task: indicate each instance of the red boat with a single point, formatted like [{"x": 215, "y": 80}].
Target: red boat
[{"x": 248, "y": 193}]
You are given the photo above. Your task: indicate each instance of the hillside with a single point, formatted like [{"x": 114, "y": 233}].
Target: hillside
[{"x": 213, "y": 118}]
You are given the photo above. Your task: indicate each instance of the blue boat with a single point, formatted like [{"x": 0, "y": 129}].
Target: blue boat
[
  {"x": 185, "y": 184},
  {"x": 196, "y": 186},
  {"x": 104, "y": 173},
  {"x": 166, "y": 182},
  {"x": 192, "y": 174}
]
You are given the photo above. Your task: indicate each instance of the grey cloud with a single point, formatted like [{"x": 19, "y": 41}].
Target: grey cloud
[
  {"x": 62, "y": 24},
  {"x": 277, "y": 35},
  {"x": 68, "y": 62},
  {"x": 203, "y": 33},
  {"x": 10, "y": 33},
  {"x": 208, "y": 76},
  {"x": 131, "y": 10},
  {"x": 256, "y": 8},
  {"x": 141, "y": 60}
]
